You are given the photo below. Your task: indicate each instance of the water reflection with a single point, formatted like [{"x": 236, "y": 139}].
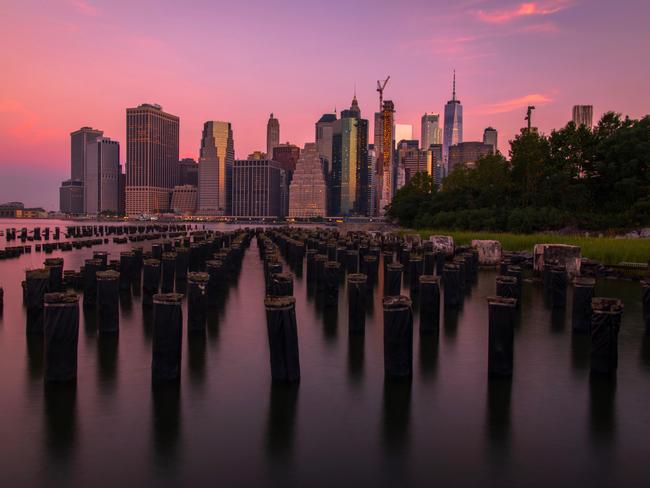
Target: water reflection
[
  {"x": 166, "y": 422},
  {"x": 558, "y": 320},
  {"x": 126, "y": 303},
  {"x": 90, "y": 323},
  {"x": 645, "y": 350},
  {"x": 450, "y": 320},
  {"x": 396, "y": 415},
  {"x": 196, "y": 343},
  {"x": 428, "y": 356},
  {"x": 499, "y": 393},
  {"x": 107, "y": 361},
  {"x": 580, "y": 350},
  {"x": 147, "y": 323},
  {"x": 283, "y": 403},
  {"x": 356, "y": 343},
  {"x": 602, "y": 408},
  {"x": 60, "y": 419},
  {"x": 35, "y": 348}
]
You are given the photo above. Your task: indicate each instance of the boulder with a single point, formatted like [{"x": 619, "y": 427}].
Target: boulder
[
  {"x": 443, "y": 243},
  {"x": 489, "y": 252},
  {"x": 560, "y": 254}
]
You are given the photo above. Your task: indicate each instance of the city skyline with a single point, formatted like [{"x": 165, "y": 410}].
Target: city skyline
[{"x": 506, "y": 58}]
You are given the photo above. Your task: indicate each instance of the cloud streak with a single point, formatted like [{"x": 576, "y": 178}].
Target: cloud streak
[
  {"x": 85, "y": 7},
  {"x": 527, "y": 9},
  {"x": 516, "y": 103}
]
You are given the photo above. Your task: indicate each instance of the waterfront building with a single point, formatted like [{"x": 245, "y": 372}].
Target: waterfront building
[
  {"x": 79, "y": 141},
  {"x": 188, "y": 172},
  {"x": 151, "y": 158},
  {"x": 71, "y": 197},
  {"x": 272, "y": 135},
  {"x": 308, "y": 190},
  {"x": 431, "y": 132},
  {"x": 102, "y": 173},
  {"x": 184, "y": 199},
  {"x": 467, "y": 153},
  {"x": 256, "y": 188},
  {"x": 583, "y": 115},
  {"x": 453, "y": 129},
  {"x": 490, "y": 136},
  {"x": 217, "y": 155}
]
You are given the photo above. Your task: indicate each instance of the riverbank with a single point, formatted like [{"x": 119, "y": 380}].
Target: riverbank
[{"x": 606, "y": 250}]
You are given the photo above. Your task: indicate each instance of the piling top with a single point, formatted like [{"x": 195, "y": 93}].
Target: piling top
[
  {"x": 514, "y": 269},
  {"x": 169, "y": 255},
  {"x": 558, "y": 268},
  {"x": 198, "y": 277},
  {"x": 584, "y": 282},
  {"x": 167, "y": 298},
  {"x": 332, "y": 264},
  {"x": 397, "y": 303},
  {"x": 451, "y": 267},
  {"x": 107, "y": 275},
  {"x": 127, "y": 254},
  {"x": 606, "y": 305},
  {"x": 37, "y": 274},
  {"x": 53, "y": 261},
  {"x": 369, "y": 258},
  {"x": 502, "y": 301},
  {"x": 395, "y": 267},
  {"x": 214, "y": 263},
  {"x": 100, "y": 253},
  {"x": 645, "y": 283},
  {"x": 311, "y": 252},
  {"x": 429, "y": 279},
  {"x": 509, "y": 280},
  {"x": 151, "y": 262},
  {"x": 357, "y": 278},
  {"x": 279, "y": 303},
  {"x": 320, "y": 257},
  {"x": 284, "y": 277},
  {"x": 94, "y": 262},
  {"x": 61, "y": 298},
  {"x": 352, "y": 252}
]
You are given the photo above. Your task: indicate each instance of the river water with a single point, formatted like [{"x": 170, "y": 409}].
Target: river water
[{"x": 227, "y": 425}]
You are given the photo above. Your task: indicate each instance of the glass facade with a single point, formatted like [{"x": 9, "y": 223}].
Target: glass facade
[{"x": 215, "y": 168}]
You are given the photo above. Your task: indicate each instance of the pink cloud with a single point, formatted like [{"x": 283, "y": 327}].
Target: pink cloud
[
  {"x": 527, "y": 9},
  {"x": 85, "y": 7},
  {"x": 516, "y": 103}
]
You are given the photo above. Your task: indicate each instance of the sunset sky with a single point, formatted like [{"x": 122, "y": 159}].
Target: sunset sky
[{"x": 71, "y": 63}]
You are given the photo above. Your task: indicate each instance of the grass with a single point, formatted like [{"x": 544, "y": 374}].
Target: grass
[{"x": 606, "y": 250}]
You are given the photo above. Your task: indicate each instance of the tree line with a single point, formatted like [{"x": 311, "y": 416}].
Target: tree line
[{"x": 578, "y": 177}]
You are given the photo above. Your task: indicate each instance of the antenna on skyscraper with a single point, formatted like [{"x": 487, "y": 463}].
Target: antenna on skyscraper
[
  {"x": 529, "y": 116},
  {"x": 381, "y": 84},
  {"x": 453, "y": 92}
]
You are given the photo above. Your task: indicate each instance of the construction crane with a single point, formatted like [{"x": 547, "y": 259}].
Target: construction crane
[
  {"x": 529, "y": 116},
  {"x": 381, "y": 84}
]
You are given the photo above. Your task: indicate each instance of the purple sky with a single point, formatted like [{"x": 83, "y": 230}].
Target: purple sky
[{"x": 70, "y": 63}]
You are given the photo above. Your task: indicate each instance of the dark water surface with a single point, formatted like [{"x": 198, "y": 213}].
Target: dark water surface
[{"x": 226, "y": 424}]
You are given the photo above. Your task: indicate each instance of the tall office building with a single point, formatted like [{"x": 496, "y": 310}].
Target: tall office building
[
  {"x": 79, "y": 141},
  {"x": 435, "y": 165},
  {"x": 308, "y": 190},
  {"x": 430, "y": 133},
  {"x": 121, "y": 193},
  {"x": 184, "y": 199},
  {"x": 453, "y": 131},
  {"x": 71, "y": 197},
  {"x": 385, "y": 156},
  {"x": 215, "y": 168},
  {"x": 151, "y": 158},
  {"x": 324, "y": 131},
  {"x": 272, "y": 135},
  {"x": 467, "y": 153},
  {"x": 583, "y": 115},
  {"x": 349, "y": 173},
  {"x": 402, "y": 132},
  {"x": 372, "y": 179},
  {"x": 256, "y": 188},
  {"x": 411, "y": 159},
  {"x": 490, "y": 136},
  {"x": 102, "y": 173},
  {"x": 287, "y": 156},
  {"x": 188, "y": 172}
]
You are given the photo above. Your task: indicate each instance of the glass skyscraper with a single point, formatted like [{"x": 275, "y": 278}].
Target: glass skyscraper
[
  {"x": 215, "y": 168},
  {"x": 453, "y": 131}
]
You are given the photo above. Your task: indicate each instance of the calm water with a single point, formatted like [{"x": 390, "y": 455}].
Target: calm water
[{"x": 226, "y": 424}]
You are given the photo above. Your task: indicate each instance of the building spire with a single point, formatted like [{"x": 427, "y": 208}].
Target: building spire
[{"x": 453, "y": 94}]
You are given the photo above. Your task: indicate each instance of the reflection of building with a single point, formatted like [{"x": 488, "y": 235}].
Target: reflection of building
[
  {"x": 453, "y": 131},
  {"x": 215, "y": 168},
  {"x": 184, "y": 198},
  {"x": 188, "y": 172},
  {"x": 308, "y": 191},
  {"x": 151, "y": 158},
  {"x": 272, "y": 135},
  {"x": 583, "y": 115},
  {"x": 490, "y": 137},
  {"x": 467, "y": 153},
  {"x": 256, "y": 188},
  {"x": 102, "y": 173},
  {"x": 431, "y": 133},
  {"x": 71, "y": 197}
]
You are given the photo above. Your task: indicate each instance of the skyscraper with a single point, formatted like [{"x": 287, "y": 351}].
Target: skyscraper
[
  {"x": 431, "y": 133},
  {"x": 411, "y": 159},
  {"x": 256, "y": 188},
  {"x": 385, "y": 157},
  {"x": 79, "y": 140},
  {"x": 71, "y": 197},
  {"x": 490, "y": 136},
  {"x": 215, "y": 168},
  {"x": 467, "y": 153},
  {"x": 308, "y": 191},
  {"x": 453, "y": 131},
  {"x": 272, "y": 135},
  {"x": 102, "y": 173},
  {"x": 324, "y": 132},
  {"x": 151, "y": 158},
  {"x": 583, "y": 115},
  {"x": 188, "y": 172}
]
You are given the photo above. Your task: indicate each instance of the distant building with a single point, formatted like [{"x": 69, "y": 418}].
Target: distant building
[
  {"x": 435, "y": 163},
  {"x": 431, "y": 132},
  {"x": 453, "y": 130},
  {"x": 151, "y": 159},
  {"x": 467, "y": 153},
  {"x": 257, "y": 156},
  {"x": 121, "y": 193},
  {"x": 287, "y": 156},
  {"x": 256, "y": 188},
  {"x": 490, "y": 136},
  {"x": 184, "y": 199},
  {"x": 387, "y": 172},
  {"x": 372, "y": 179},
  {"x": 102, "y": 173},
  {"x": 216, "y": 160},
  {"x": 188, "y": 172},
  {"x": 17, "y": 210},
  {"x": 324, "y": 132},
  {"x": 308, "y": 191},
  {"x": 402, "y": 132},
  {"x": 79, "y": 140},
  {"x": 410, "y": 158},
  {"x": 272, "y": 135},
  {"x": 583, "y": 115},
  {"x": 71, "y": 197}
]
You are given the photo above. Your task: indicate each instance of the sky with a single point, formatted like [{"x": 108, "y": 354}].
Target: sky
[{"x": 73, "y": 63}]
